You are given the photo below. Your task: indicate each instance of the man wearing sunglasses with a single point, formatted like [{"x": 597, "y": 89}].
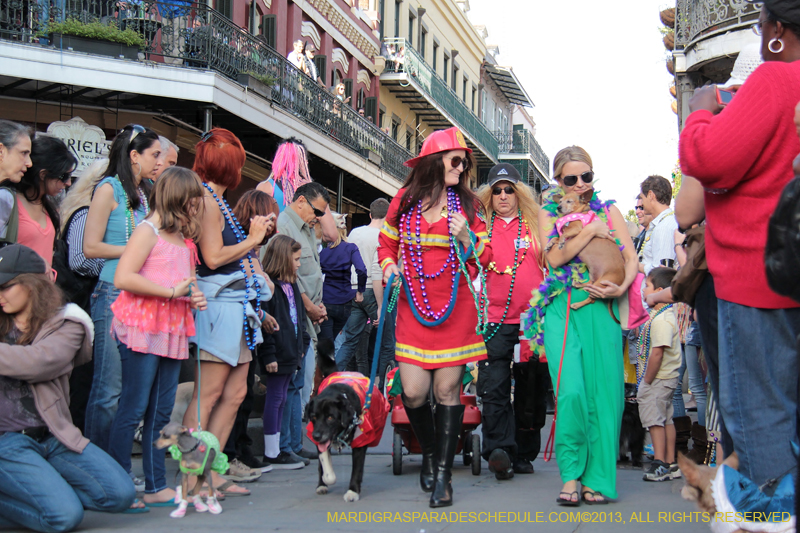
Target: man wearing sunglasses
[
  {"x": 309, "y": 203},
  {"x": 644, "y": 221},
  {"x": 511, "y": 430},
  {"x": 659, "y": 240}
]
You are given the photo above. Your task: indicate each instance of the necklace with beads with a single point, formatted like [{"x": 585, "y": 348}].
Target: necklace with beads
[
  {"x": 130, "y": 219},
  {"x": 412, "y": 250},
  {"x": 513, "y": 268},
  {"x": 643, "y": 347},
  {"x": 238, "y": 231}
]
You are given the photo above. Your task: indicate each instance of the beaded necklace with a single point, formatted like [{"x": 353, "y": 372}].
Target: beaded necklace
[
  {"x": 238, "y": 231},
  {"x": 643, "y": 346},
  {"x": 130, "y": 220},
  {"x": 513, "y": 268},
  {"x": 412, "y": 250}
]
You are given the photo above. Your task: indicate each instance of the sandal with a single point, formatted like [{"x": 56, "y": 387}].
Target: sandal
[
  {"x": 136, "y": 509},
  {"x": 594, "y": 500},
  {"x": 568, "y": 501},
  {"x": 224, "y": 489}
]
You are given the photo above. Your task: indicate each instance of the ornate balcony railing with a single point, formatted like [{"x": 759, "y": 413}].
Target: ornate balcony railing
[
  {"x": 438, "y": 91},
  {"x": 695, "y": 19},
  {"x": 194, "y": 35},
  {"x": 523, "y": 142}
]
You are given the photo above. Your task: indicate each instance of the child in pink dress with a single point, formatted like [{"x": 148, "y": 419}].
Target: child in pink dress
[{"x": 153, "y": 321}]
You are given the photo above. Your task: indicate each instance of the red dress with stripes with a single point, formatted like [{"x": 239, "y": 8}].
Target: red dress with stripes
[{"x": 454, "y": 342}]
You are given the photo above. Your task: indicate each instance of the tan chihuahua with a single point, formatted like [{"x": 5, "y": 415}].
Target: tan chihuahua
[{"x": 602, "y": 256}]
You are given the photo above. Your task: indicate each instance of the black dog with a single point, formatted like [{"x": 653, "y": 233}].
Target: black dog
[
  {"x": 335, "y": 414},
  {"x": 632, "y": 434}
]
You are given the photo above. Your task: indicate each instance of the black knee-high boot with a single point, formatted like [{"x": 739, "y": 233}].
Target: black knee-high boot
[
  {"x": 421, "y": 419},
  {"x": 448, "y": 428}
]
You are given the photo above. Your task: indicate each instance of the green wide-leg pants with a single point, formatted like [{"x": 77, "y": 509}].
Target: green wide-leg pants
[{"x": 591, "y": 392}]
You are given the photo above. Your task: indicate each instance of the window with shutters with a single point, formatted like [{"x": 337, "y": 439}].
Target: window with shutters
[
  {"x": 371, "y": 109},
  {"x": 225, "y": 7},
  {"x": 395, "y": 128},
  {"x": 268, "y": 29},
  {"x": 423, "y": 39},
  {"x": 446, "y": 64},
  {"x": 321, "y": 62},
  {"x": 360, "y": 100},
  {"x": 435, "y": 55},
  {"x": 348, "y": 90},
  {"x": 397, "y": 18},
  {"x": 454, "y": 84}
]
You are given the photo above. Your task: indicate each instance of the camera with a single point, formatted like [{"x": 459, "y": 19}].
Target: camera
[{"x": 724, "y": 96}]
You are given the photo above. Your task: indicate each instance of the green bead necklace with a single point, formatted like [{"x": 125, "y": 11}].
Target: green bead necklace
[{"x": 488, "y": 335}]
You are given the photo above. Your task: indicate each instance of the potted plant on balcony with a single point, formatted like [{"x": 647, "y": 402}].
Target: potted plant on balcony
[
  {"x": 260, "y": 84},
  {"x": 96, "y": 38}
]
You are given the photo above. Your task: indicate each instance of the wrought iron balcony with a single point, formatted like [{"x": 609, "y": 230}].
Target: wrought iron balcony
[
  {"x": 696, "y": 19},
  {"x": 522, "y": 141},
  {"x": 438, "y": 92},
  {"x": 194, "y": 35}
]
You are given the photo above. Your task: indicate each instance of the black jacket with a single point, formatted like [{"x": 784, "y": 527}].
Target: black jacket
[{"x": 283, "y": 346}]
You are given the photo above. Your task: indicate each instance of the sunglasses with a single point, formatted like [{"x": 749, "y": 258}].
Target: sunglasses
[
  {"x": 758, "y": 28},
  {"x": 571, "y": 180},
  {"x": 65, "y": 177},
  {"x": 508, "y": 189},
  {"x": 639, "y": 208},
  {"x": 317, "y": 212},
  {"x": 206, "y": 136},
  {"x": 137, "y": 129},
  {"x": 458, "y": 160}
]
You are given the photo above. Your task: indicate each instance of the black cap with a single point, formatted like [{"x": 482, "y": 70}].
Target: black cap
[
  {"x": 783, "y": 10},
  {"x": 503, "y": 172},
  {"x": 18, "y": 259}
]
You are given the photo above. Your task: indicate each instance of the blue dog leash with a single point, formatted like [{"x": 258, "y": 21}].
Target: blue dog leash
[{"x": 378, "y": 337}]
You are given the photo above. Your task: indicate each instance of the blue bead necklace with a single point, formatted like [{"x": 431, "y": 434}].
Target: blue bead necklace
[{"x": 238, "y": 231}]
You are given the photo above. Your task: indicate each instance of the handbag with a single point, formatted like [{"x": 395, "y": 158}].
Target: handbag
[
  {"x": 687, "y": 281},
  {"x": 632, "y": 313},
  {"x": 782, "y": 253}
]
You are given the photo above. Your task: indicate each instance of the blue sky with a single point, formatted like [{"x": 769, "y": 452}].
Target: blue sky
[{"x": 596, "y": 73}]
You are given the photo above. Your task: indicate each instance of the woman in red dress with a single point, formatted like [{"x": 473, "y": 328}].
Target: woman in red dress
[{"x": 433, "y": 215}]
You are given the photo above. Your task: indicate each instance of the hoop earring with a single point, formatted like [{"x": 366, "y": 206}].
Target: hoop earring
[
  {"x": 140, "y": 170},
  {"x": 775, "y": 40}
]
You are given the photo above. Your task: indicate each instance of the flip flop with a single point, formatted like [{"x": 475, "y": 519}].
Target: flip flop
[
  {"x": 594, "y": 500},
  {"x": 568, "y": 502},
  {"x": 223, "y": 489},
  {"x": 170, "y": 503},
  {"x": 136, "y": 510}
]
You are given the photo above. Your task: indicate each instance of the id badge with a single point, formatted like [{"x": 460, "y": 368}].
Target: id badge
[
  {"x": 521, "y": 244},
  {"x": 516, "y": 353}
]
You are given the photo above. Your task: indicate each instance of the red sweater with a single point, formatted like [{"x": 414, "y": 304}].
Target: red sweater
[{"x": 743, "y": 157}]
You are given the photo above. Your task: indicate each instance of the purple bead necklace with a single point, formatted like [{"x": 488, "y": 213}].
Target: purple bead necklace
[{"x": 412, "y": 250}]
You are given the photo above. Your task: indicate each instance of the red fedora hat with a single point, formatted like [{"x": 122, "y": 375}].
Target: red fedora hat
[{"x": 440, "y": 141}]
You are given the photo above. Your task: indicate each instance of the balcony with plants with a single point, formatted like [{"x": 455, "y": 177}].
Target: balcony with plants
[
  {"x": 404, "y": 60},
  {"x": 193, "y": 35}
]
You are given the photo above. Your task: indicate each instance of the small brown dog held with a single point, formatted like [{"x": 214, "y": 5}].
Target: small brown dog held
[{"x": 602, "y": 256}]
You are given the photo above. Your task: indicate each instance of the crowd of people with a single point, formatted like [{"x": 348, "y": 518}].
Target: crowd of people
[{"x": 154, "y": 261}]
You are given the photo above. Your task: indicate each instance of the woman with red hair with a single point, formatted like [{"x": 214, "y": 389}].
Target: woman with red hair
[{"x": 235, "y": 285}]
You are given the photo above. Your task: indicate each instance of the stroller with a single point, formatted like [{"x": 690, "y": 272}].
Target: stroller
[{"x": 469, "y": 443}]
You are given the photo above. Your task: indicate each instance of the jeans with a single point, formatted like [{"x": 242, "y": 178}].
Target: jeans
[
  {"x": 338, "y": 314},
  {"x": 45, "y": 487},
  {"x": 757, "y": 386},
  {"x": 292, "y": 423},
  {"x": 697, "y": 386},
  {"x": 275, "y": 402},
  {"x": 148, "y": 392},
  {"x": 359, "y": 314},
  {"x": 494, "y": 388},
  {"x": 678, "y": 408},
  {"x": 107, "y": 380}
]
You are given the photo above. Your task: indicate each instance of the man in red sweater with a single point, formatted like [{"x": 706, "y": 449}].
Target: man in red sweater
[
  {"x": 742, "y": 155},
  {"x": 511, "y": 433}
]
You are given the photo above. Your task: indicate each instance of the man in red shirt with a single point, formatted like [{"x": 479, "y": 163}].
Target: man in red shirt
[{"x": 511, "y": 437}]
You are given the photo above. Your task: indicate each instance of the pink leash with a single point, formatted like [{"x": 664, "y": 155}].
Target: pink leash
[{"x": 551, "y": 440}]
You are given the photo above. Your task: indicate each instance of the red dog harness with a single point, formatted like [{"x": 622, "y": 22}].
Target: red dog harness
[{"x": 369, "y": 431}]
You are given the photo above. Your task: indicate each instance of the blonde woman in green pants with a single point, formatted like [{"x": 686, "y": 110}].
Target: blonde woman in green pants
[{"x": 590, "y": 392}]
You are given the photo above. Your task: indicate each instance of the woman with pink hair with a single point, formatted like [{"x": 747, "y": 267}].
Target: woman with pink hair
[{"x": 290, "y": 171}]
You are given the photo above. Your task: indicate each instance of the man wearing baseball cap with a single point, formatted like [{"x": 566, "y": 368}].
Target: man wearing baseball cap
[{"x": 511, "y": 437}]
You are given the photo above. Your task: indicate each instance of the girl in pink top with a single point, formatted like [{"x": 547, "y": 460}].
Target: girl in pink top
[{"x": 153, "y": 320}]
